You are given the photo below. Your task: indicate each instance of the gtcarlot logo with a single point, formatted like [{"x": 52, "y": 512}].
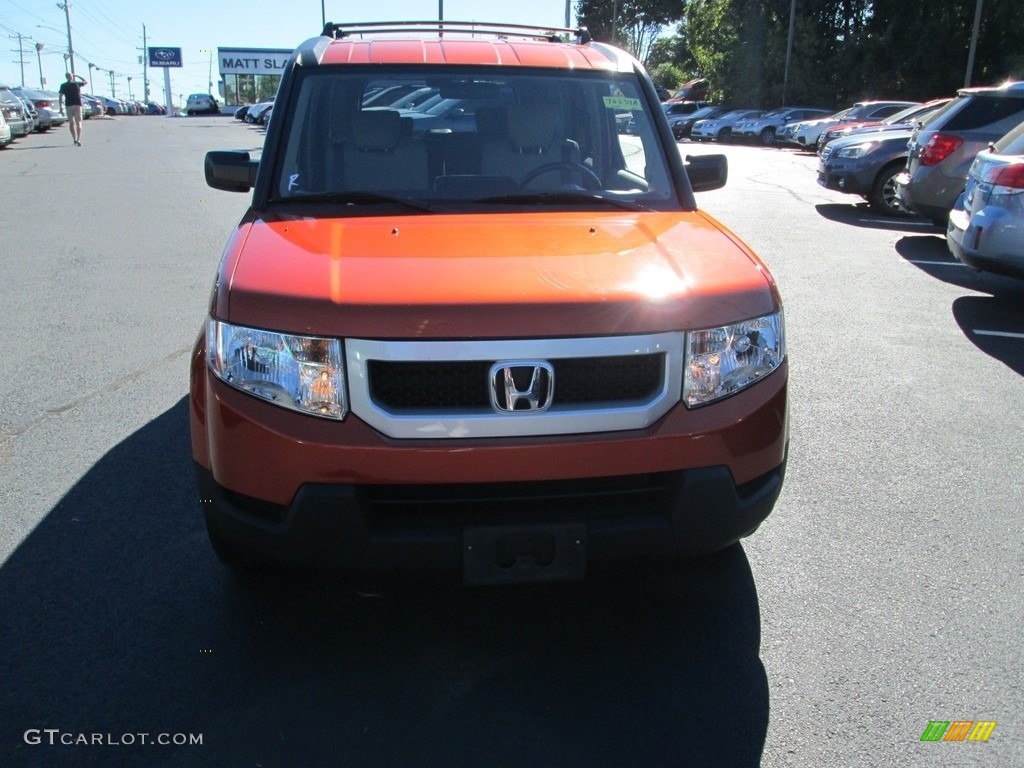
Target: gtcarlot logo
[{"x": 56, "y": 737}]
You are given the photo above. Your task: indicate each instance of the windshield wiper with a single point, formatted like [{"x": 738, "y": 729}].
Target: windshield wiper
[
  {"x": 562, "y": 197},
  {"x": 359, "y": 198}
]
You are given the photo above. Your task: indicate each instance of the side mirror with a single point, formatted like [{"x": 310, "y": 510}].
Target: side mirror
[
  {"x": 230, "y": 171},
  {"x": 706, "y": 172}
]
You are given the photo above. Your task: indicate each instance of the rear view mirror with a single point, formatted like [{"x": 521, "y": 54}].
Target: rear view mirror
[
  {"x": 706, "y": 172},
  {"x": 230, "y": 171}
]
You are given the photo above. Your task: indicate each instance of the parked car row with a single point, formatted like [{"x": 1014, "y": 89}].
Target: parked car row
[
  {"x": 866, "y": 159},
  {"x": 258, "y": 113},
  {"x": 807, "y": 133},
  {"x": 960, "y": 164},
  {"x": 27, "y": 110},
  {"x": 112, "y": 107}
]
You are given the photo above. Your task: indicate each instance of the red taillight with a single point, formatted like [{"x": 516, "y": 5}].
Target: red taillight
[
  {"x": 42, "y": 103},
  {"x": 1011, "y": 176},
  {"x": 939, "y": 147}
]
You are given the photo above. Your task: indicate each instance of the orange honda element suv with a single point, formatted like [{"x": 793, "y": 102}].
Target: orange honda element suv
[{"x": 468, "y": 325}]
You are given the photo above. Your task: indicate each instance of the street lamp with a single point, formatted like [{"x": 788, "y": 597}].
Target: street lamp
[
  {"x": 130, "y": 97},
  {"x": 39, "y": 58},
  {"x": 92, "y": 88}
]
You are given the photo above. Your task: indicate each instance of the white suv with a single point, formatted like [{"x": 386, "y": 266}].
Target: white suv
[{"x": 201, "y": 103}]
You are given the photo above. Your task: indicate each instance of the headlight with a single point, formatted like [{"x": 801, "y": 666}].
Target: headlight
[
  {"x": 854, "y": 151},
  {"x": 722, "y": 361},
  {"x": 303, "y": 373}
]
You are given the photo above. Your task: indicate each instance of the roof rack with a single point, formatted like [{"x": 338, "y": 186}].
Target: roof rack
[{"x": 440, "y": 28}]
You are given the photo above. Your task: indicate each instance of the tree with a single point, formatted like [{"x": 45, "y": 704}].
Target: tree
[{"x": 632, "y": 24}]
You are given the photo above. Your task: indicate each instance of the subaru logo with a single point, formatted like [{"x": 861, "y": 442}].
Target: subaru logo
[
  {"x": 522, "y": 386},
  {"x": 163, "y": 53}
]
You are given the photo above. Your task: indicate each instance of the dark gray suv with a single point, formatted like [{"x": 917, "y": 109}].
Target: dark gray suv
[{"x": 941, "y": 152}]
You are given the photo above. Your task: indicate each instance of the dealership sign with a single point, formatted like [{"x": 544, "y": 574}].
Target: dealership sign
[
  {"x": 253, "y": 61},
  {"x": 165, "y": 57}
]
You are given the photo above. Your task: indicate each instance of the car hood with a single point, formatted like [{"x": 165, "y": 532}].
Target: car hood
[
  {"x": 489, "y": 275},
  {"x": 871, "y": 134}
]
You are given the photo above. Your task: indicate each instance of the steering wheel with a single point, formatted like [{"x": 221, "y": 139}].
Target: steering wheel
[{"x": 586, "y": 173}]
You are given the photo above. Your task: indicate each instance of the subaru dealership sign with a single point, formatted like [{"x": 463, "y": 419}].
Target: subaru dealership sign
[{"x": 164, "y": 57}]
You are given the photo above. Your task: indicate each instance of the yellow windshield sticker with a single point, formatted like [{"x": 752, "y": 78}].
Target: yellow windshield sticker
[{"x": 622, "y": 102}]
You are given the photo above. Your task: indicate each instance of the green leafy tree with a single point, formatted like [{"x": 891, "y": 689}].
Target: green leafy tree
[
  {"x": 632, "y": 24},
  {"x": 668, "y": 75}
]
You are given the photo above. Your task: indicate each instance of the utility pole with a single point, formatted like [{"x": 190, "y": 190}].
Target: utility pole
[
  {"x": 789, "y": 50},
  {"x": 113, "y": 94},
  {"x": 974, "y": 45},
  {"x": 21, "y": 54},
  {"x": 66, "y": 7},
  {"x": 145, "y": 61}
]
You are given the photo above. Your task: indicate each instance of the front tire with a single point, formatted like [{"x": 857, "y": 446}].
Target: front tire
[
  {"x": 768, "y": 137},
  {"x": 882, "y": 197}
]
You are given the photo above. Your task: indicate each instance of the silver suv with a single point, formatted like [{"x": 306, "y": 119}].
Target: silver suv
[
  {"x": 201, "y": 103},
  {"x": 941, "y": 152}
]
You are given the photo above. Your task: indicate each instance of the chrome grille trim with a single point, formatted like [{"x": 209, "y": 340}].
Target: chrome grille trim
[{"x": 483, "y": 423}]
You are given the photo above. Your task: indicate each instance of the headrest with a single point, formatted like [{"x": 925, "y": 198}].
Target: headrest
[
  {"x": 533, "y": 126},
  {"x": 376, "y": 129},
  {"x": 491, "y": 120}
]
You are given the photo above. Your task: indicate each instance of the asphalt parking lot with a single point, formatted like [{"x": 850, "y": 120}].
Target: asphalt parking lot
[{"x": 886, "y": 591}]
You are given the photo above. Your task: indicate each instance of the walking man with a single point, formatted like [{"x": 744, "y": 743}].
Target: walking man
[{"x": 70, "y": 96}]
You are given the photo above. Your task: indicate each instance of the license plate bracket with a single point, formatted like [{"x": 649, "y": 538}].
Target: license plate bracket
[{"x": 511, "y": 554}]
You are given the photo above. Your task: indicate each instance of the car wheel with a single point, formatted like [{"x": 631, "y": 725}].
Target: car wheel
[
  {"x": 882, "y": 197},
  {"x": 768, "y": 137},
  {"x": 725, "y": 135}
]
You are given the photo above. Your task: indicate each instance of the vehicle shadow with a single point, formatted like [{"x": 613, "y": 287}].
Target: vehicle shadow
[
  {"x": 118, "y": 620},
  {"x": 14, "y": 147},
  {"x": 994, "y": 323},
  {"x": 860, "y": 215},
  {"x": 930, "y": 254}
]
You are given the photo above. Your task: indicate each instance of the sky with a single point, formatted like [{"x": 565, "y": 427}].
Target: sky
[{"x": 108, "y": 33}]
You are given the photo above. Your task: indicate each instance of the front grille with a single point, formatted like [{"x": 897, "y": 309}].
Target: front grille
[
  {"x": 464, "y": 385},
  {"x": 402, "y": 506}
]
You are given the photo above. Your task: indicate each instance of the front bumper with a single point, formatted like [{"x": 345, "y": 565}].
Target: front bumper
[
  {"x": 287, "y": 487},
  {"x": 845, "y": 179},
  {"x": 656, "y": 517}
]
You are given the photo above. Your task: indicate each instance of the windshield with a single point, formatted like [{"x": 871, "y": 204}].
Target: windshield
[{"x": 482, "y": 136}]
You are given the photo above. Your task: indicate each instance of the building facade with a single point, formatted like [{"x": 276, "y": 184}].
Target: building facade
[{"x": 250, "y": 75}]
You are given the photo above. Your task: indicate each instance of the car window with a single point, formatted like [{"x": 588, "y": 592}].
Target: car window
[
  {"x": 986, "y": 111},
  {"x": 490, "y": 135},
  {"x": 1012, "y": 143},
  {"x": 886, "y": 111}
]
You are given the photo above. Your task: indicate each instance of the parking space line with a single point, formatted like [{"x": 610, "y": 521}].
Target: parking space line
[
  {"x": 1003, "y": 334},
  {"x": 937, "y": 263}
]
